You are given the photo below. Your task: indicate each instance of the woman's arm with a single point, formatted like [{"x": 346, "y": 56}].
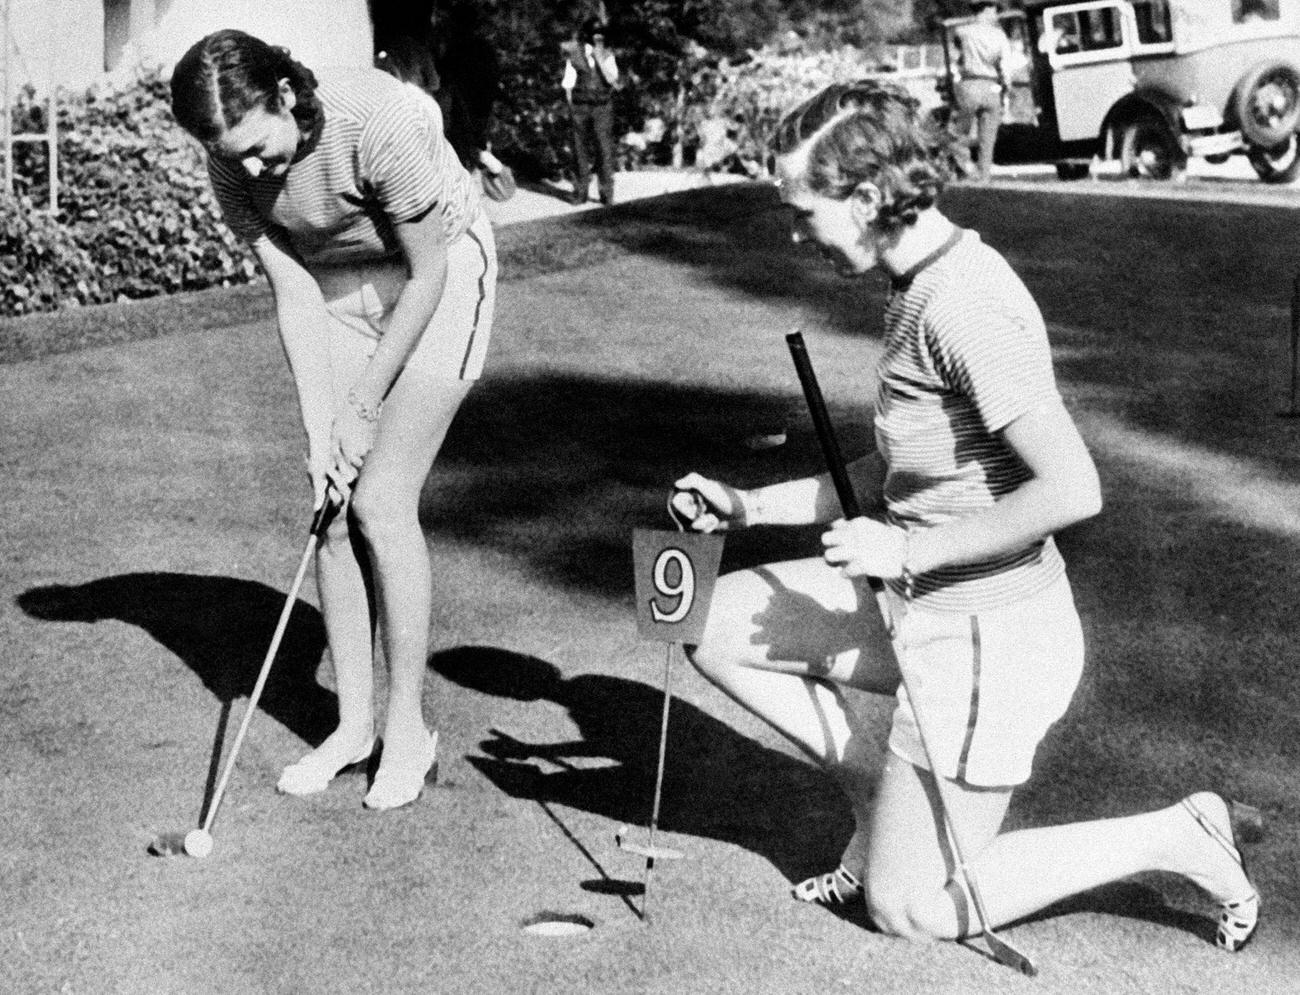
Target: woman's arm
[
  {"x": 425, "y": 247},
  {"x": 1063, "y": 489},
  {"x": 805, "y": 501},
  {"x": 300, "y": 313},
  {"x": 813, "y": 499}
]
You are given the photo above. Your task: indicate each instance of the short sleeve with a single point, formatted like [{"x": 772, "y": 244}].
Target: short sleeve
[
  {"x": 400, "y": 155},
  {"x": 236, "y": 205},
  {"x": 995, "y": 355}
]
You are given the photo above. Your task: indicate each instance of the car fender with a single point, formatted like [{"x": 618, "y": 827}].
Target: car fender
[{"x": 1144, "y": 101}]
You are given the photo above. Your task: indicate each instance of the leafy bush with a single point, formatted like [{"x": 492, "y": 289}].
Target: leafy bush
[
  {"x": 753, "y": 95},
  {"x": 135, "y": 213}
]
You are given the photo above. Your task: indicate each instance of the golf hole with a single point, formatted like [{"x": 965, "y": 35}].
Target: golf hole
[{"x": 558, "y": 924}]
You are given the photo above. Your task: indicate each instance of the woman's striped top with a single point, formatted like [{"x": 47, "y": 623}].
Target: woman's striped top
[
  {"x": 966, "y": 353},
  {"x": 381, "y": 159}
]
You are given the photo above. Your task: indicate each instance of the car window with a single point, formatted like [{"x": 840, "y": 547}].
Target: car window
[
  {"x": 1153, "y": 22},
  {"x": 1085, "y": 30},
  {"x": 1245, "y": 11},
  {"x": 1100, "y": 29}
]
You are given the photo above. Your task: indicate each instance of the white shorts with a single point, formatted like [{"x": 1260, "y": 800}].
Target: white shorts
[
  {"x": 360, "y": 297},
  {"x": 990, "y": 684}
]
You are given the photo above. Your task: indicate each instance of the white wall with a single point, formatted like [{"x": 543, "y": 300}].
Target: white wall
[
  {"x": 56, "y": 41},
  {"x": 62, "y": 41},
  {"x": 317, "y": 32}
]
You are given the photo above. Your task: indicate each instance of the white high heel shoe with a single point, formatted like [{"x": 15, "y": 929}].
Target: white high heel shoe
[
  {"x": 312, "y": 774},
  {"x": 396, "y": 786}
]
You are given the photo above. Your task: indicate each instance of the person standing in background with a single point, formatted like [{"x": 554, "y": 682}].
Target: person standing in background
[
  {"x": 589, "y": 81},
  {"x": 983, "y": 85}
]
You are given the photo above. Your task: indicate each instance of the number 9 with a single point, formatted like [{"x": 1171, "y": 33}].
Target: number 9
[{"x": 683, "y": 589}]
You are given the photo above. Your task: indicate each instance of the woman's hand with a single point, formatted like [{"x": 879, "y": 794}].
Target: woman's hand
[
  {"x": 705, "y": 505},
  {"x": 319, "y": 465},
  {"x": 864, "y": 547},
  {"x": 351, "y": 439}
]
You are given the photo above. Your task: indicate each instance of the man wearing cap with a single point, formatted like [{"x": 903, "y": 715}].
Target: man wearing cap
[{"x": 983, "y": 80}]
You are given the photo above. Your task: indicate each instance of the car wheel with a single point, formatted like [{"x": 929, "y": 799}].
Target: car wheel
[
  {"x": 1148, "y": 150},
  {"x": 1267, "y": 103},
  {"x": 1276, "y": 165}
]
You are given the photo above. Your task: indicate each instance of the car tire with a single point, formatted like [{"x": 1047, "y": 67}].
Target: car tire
[
  {"x": 1276, "y": 165},
  {"x": 1149, "y": 150},
  {"x": 1267, "y": 103}
]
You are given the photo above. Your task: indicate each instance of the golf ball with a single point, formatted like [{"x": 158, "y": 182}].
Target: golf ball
[{"x": 198, "y": 843}]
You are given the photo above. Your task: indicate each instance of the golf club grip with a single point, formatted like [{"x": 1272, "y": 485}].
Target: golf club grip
[
  {"x": 834, "y": 457},
  {"x": 325, "y": 513},
  {"x": 812, "y": 392}
]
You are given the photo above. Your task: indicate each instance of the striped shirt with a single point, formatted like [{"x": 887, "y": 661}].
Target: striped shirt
[
  {"x": 381, "y": 159},
  {"x": 965, "y": 354}
]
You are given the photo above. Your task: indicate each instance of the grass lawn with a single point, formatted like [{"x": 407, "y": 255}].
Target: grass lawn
[{"x": 156, "y": 510}]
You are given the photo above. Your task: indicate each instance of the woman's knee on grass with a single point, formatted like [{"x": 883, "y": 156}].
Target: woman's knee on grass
[{"x": 912, "y": 913}]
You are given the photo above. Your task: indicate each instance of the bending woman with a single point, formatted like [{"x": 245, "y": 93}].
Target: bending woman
[
  {"x": 383, "y": 269},
  {"x": 977, "y": 464}
]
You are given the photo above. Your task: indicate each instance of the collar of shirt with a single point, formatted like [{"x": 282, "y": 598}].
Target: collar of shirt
[{"x": 904, "y": 280}]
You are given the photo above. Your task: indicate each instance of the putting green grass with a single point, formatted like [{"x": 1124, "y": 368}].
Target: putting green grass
[{"x": 155, "y": 510}]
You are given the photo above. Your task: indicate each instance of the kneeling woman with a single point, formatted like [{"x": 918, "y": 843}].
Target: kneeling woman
[
  {"x": 977, "y": 464},
  {"x": 383, "y": 268}
]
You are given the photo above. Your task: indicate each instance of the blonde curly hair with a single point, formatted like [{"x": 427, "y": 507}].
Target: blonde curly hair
[{"x": 866, "y": 132}]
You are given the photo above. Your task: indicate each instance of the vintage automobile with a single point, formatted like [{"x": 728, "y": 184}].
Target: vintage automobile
[{"x": 1150, "y": 83}]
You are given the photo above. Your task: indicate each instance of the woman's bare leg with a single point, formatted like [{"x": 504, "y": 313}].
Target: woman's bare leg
[
  {"x": 780, "y": 640},
  {"x": 385, "y": 506}
]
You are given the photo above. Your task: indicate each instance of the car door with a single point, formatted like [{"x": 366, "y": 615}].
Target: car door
[{"x": 1089, "y": 47}]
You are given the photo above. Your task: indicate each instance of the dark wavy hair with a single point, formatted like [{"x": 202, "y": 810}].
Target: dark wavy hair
[
  {"x": 866, "y": 132},
  {"x": 229, "y": 73}
]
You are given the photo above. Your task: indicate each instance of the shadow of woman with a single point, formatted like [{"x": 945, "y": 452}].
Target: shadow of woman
[
  {"x": 220, "y": 627},
  {"x": 718, "y": 783}
]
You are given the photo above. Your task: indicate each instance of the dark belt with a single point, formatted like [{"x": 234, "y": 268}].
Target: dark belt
[{"x": 986, "y": 79}]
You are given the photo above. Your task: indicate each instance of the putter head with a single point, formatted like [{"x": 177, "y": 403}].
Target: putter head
[
  {"x": 194, "y": 843},
  {"x": 649, "y": 852},
  {"x": 167, "y": 845},
  {"x": 1004, "y": 953}
]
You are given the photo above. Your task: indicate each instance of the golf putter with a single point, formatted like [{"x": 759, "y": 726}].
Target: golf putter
[
  {"x": 198, "y": 842},
  {"x": 1001, "y": 951}
]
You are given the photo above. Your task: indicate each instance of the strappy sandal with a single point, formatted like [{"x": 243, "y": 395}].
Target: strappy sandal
[
  {"x": 1238, "y": 917},
  {"x": 832, "y": 889}
]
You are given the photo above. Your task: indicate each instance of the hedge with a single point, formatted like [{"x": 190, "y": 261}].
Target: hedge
[
  {"x": 135, "y": 214},
  {"x": 136, "y": 217}
]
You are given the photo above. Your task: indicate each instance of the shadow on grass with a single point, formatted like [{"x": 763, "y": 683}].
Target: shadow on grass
[
  {"x": 221, "y": 628},
  {"x": 557, "y": 470},
  {"x": 718, "y": 784}
]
